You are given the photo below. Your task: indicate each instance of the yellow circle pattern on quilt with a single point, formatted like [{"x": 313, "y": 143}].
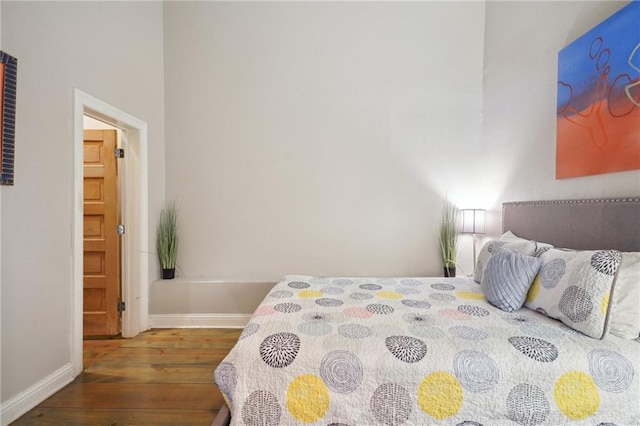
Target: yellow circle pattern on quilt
[
  {"x": 389, "y": 295},
  {"x": 533, "y": 290},
  {"x": 307, "y": 398},
  {"x": 309, "y": 293},
  {"x": 440, "y": 395},
  {"x": 469, "y": 295},
  {"x": 576, "y": 395}
]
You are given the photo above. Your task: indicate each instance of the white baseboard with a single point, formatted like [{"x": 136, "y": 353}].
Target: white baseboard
[
  {"x": 198, "y": 320},
  {"x": 28, "y": 399}
]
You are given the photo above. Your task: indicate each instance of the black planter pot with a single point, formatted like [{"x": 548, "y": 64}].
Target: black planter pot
[
  {"x": 450, "y": 272},
  {"x": 168, "y": 274}
]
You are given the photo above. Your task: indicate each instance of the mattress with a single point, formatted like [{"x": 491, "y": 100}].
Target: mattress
[{"x": 419, "y": 351}]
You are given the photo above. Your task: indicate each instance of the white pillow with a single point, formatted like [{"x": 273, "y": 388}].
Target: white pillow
[
  {"x": 574, "y": 286},
  {"x": 624, "y": 319},
  {"x": 510, "y": 236},
  {"x": 540, "y": 247},
  {"x": 519, "y": 245}
]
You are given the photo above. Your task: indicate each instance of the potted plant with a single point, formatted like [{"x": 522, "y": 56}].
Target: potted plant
[
  {"x": 449, "y": 238},
  {"x": 167, "y": 240}
]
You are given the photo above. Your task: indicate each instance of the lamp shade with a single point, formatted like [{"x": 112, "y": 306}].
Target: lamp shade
[{"x": 473, "y": 221}]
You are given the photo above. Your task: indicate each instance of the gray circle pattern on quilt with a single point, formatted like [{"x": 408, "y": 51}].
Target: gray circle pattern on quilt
[
  {"x": 418, "y": 319},
  {"x": 328, "y": 302},
  {"x": 251, "y": 329},
  {"x": 299, "y": 285},
  {"x": 419, "y": 304},
  {"x": 527, "y": 405},
  {"x": 341, "y": 371},
  {"x": 370, "y": 286},
  {"x": 477, "y": 372},
  {"x": 468, "y": 333},
  {"x": 443, "y": 286},
  {"x": 442, "y": 297},
  {"x": 354, "y": 331},
  {"x": 280, "y": 349},
  {"x": 611, "y": 371},
  {"x": 516, "y": 319},
  {"x": 317, "y": 317},
  {"x": 406, "y": 348},
  {"x": 576, "y": 304},
  {"x": 391, "y": 404},
  {"x": 342, "y": 281},
  {"x": 606, "y": 261},
  {"x": 261, "y": 408},
  {"x": 226, "y": 377},
  {"x": 282, "y": 294},
  {"x": 380, "y": 309},
  {"x": 361, "y": 296},
  {"x": 551, "y": 272},
  {"x": 287, "y": 308},
  {"x": 534, "y": 348},
  {"x": 475, "y": 311}
]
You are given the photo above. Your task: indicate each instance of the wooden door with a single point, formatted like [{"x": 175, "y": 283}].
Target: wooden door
[{"x": 101, "y": 240}]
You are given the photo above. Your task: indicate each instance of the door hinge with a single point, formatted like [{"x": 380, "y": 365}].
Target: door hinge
[
  {"x": 119, "y": 153},
  {"x": 120, "y": 229},
  {"x": 121, "y": 307}
]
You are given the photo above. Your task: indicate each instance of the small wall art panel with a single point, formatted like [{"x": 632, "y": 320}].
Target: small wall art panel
[
  {"x": 8, "y": 84},
  {"x": 598, "y": 118}
]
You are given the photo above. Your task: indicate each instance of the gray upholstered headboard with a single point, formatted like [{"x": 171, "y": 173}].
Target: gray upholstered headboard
[{"x": 578, "y": 224}]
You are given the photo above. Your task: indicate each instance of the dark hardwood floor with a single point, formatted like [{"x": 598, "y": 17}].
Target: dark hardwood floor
[{"x": 161, "y": 377}]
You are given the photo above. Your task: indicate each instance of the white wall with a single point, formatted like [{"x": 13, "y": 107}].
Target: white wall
[
  {"x": 1, "y": 234},
  {"x": 319, "y": 138},
  {"x": 522, "y": 41},
  {"x": 110, "y": 50}
]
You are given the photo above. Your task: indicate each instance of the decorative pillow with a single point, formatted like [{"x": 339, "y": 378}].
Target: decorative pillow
[
  {"x": 511, "y": 237},
  {"x": 540, "y": 247},
  {"x": 507, "y": 278},
  {"x": 624, "y": 318},
  {"x": 575, "y": 287},
  {"x": 520, "y": 245}
]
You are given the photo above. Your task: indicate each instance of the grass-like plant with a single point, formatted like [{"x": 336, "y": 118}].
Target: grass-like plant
[
  {"x": 167, "y": 236},
  {"x": 449, "y": 234}
]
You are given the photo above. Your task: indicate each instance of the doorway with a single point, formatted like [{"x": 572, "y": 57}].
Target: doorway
[
  {"x": 102, "y": 230},
  {"x": 134, "y": 213}
]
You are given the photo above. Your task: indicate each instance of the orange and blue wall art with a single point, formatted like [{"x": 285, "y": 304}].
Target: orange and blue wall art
[{"x": 598, "y": 121}]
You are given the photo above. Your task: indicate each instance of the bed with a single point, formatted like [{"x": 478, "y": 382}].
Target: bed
[{"x": 422, "y": 351}]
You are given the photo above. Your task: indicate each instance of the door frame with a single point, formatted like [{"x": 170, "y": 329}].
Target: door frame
[{"x": 135, "y": 201}]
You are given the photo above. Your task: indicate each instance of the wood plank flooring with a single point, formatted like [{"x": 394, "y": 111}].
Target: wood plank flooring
[{"x": 161, "y": 377}]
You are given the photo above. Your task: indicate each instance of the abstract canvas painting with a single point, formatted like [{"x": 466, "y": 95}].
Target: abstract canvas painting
[{"x": 598, "y": 118}]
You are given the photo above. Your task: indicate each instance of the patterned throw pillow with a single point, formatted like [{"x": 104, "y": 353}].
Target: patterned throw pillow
[
  {"x": 574, "y": 287},
  {"x": 507, "y": 278},
  {"x": 525, "y": 247}
]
